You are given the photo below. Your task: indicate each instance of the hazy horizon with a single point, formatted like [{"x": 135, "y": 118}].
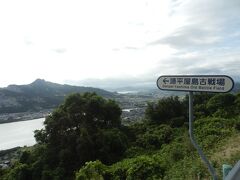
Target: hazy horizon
[
  {"x": 117, "y": 43},
  {"x": 115, "y": 84}
]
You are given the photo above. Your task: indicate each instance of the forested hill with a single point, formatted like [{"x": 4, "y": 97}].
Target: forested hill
[{"x": 39, "y": 95}]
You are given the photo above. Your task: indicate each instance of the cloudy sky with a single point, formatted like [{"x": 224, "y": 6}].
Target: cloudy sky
[{"x": 72, "y": 41}]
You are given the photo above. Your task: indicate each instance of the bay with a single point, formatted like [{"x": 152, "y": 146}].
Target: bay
[{"x": 19, "y": 133}]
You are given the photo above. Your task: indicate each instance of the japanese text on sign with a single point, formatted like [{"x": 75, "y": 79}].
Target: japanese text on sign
[{"x": 196, "y": 83}]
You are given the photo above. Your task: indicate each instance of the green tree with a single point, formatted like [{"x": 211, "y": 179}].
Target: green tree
[
  {"x": 92, "y": 170},
  {"x": 166, "y": 110},
  {"x": 222, "y": 105},
  {"x": 155, "y": 137},
  {"x": 110, "y": 145},
  {"x": 237, "y": 103},
  {"x": 84, "y": 128},
  {"x": 140, "y": 167},
  {"x": 200, "y": 100},
  {"x": 19, "y": 172}
]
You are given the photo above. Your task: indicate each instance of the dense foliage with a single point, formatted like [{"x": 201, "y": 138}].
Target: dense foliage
[
  {"x": 168, "y": 110},
  {"x": 84, "y": 139},
  {"x": 84, "y": 128}
]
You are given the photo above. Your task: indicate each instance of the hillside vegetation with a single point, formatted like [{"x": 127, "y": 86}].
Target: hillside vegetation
[
  {"x": 84, "y": 139},
  {"x": 39, "y": 95}
]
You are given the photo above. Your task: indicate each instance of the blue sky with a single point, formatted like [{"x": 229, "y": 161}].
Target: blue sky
[{"x": 117, "y": 41}]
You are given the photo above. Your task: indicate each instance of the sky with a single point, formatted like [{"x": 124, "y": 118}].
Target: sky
[{"x": 122, "y": 42}]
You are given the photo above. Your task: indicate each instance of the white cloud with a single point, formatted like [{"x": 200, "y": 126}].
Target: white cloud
[{"x": 59, "y": 40}]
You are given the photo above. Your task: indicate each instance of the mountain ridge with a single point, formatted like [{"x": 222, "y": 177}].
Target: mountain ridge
[{"x": 40, "y": 94}]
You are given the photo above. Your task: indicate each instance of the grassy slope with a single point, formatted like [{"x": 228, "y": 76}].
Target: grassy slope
[
  {"x": 219, "y": 140},
  {"x": 228, "y": 153},
  {"x": 178, "y": 160}
]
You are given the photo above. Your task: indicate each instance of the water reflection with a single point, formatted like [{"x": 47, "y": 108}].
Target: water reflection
[{"x": 19, "y": 133}]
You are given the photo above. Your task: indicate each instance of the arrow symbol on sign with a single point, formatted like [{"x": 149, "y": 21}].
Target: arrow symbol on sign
[{"x": 165, "y": 80}]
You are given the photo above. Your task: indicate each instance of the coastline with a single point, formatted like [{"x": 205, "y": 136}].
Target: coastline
[{"x": 23, "y": 116}]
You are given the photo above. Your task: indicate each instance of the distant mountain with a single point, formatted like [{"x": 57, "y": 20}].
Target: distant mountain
[{"x": 39, "y": 95}]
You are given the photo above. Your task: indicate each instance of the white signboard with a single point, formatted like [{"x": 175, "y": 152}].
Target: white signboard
[{"x": 203, "y": 83}]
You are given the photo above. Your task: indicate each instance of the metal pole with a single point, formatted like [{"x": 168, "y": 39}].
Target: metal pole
[{"x": 200, "y": 152}]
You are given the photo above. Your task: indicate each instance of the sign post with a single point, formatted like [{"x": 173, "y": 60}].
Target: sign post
[
  {"x": 205, "y": 83},
  {"x": 200, "y": 152}
]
